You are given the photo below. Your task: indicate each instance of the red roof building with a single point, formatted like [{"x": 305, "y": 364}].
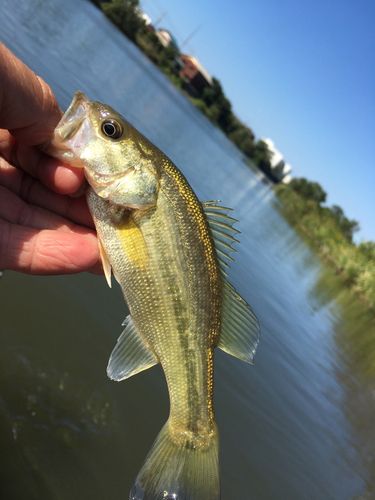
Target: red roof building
[{"x": 194, "y": 73}]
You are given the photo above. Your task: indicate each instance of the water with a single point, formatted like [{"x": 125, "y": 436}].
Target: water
[{"x": 296, "y": 425}]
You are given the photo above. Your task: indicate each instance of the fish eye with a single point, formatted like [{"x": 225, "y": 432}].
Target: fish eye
[{"x": 112, "y": 129}]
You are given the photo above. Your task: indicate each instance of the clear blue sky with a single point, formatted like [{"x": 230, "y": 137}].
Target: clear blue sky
[{"x": 299, "y": 72}]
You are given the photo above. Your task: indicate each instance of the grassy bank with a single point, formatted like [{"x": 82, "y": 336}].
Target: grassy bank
[{"x": 331, "y": 235}]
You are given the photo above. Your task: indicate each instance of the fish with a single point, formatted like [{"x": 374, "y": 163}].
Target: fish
[{"x": 170, "y": 253}]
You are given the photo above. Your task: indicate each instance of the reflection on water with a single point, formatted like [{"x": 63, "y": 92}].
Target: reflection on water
[
  {"x": 354, "y": 334},
  {"x": 38, "y": 397},
  {"x": 297, "y": 425},
  {"x": 354, "y": 325}
]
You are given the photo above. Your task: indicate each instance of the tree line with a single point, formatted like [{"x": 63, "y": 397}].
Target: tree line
[
  {"x": 331, "y": 232},
  {"x": 327, "y": 228},
  {"x": 211, "y": 101}
]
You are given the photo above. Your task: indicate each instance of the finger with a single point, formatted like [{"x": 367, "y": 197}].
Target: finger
[
  {"x": 14, "y": 210},
  {"x": 31, "y": 191},
  {"x": 28, "y": 107},
  {"x": 46, "y": 252},
  {"x": 57, "y": 176}
]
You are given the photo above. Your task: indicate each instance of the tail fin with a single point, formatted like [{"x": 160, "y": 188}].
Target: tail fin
[{"x": 179, "y": 470}]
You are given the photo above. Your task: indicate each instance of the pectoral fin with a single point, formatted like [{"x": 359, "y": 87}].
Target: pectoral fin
[
  {"x": 106, "y": 265},
  {"x": 131, "y": 355},
  {"x": 240, "y": 331}
]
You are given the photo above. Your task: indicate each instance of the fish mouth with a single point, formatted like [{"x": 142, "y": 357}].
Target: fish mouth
[
  {"x": 72, "y": 133},
  {"x": 71, "y": 136}
]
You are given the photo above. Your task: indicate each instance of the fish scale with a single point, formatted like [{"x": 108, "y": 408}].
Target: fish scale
[
  {"x": 178, "y": 317},
  {"x": 170, "y": 253}
]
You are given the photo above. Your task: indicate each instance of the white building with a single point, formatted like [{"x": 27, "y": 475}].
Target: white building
[
  {"x": 166, "y": 39},
  {"x": 280, "y": 168},
  {"x": 286, "y": 179},
  {"x": 143, "y": 15}
]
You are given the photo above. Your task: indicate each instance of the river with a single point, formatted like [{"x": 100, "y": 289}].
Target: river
[{"x": 297, "y": 425}]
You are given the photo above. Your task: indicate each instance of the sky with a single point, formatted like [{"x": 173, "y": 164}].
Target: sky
[{"x": 299, "y": 72}]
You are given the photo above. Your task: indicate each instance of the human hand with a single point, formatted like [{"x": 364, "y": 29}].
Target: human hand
[{"x": 42, "y": 229}]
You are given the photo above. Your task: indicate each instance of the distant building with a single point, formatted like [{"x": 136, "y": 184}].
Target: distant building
[
  {"x": 143, "y": 15},
  {"x": 166, "y": 38},
  {"x": 194, "y": 73},
  {"x": 279, "y": 168},
  {"x": 286, "y": 179}
]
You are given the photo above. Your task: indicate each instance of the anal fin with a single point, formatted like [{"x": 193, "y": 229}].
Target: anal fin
[{"x": 130, "y": 355}]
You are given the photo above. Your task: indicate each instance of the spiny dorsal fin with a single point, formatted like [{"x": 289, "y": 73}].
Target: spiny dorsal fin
[
  {"x": 130, "y": 355},
  {"x": 222, "y": 231},
  {"x": 240, "y": 331}
]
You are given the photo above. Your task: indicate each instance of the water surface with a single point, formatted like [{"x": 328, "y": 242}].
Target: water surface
[{"x": 296, "y": 425}]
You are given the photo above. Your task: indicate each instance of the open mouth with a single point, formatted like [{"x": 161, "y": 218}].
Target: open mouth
[{"x": 72, "y": 132}]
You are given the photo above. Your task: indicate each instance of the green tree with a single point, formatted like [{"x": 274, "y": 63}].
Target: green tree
[
  {"x": 212, "y": 94},
  {"x": 166, "y": 58},
  {"x": 308, "y": 190},
  {"x": 243, "y": 137},
  {"x": 368, "y": 250},
  {"x": 123, "y": 13},
  {"x": 225, "y": 115},
  {"x": 346, "y": 226},
  {"x": 261, "y": 156},
  {"x": 98, "y": 2},
  {"x": 218, "y": 107},
  {"x": 149, "y": 43}
]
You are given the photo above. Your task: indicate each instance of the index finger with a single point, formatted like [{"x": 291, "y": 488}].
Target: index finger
[
  {"x": 28, "y": 107},
  {"x": 54, "y": 174}
]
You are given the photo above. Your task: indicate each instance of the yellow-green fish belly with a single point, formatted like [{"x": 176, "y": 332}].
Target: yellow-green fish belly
[{"x": 164, "y": 260}]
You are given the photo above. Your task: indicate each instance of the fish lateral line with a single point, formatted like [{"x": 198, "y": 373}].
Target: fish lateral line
[{"x": 172, "y": 267}]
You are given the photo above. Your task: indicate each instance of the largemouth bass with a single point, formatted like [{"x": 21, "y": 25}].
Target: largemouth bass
[{"x": 169, "y": 252}]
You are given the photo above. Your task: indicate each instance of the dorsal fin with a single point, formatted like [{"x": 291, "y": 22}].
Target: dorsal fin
[
  {"x": 222, "y": 231},
  {"x": 240, "y": 331}
]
